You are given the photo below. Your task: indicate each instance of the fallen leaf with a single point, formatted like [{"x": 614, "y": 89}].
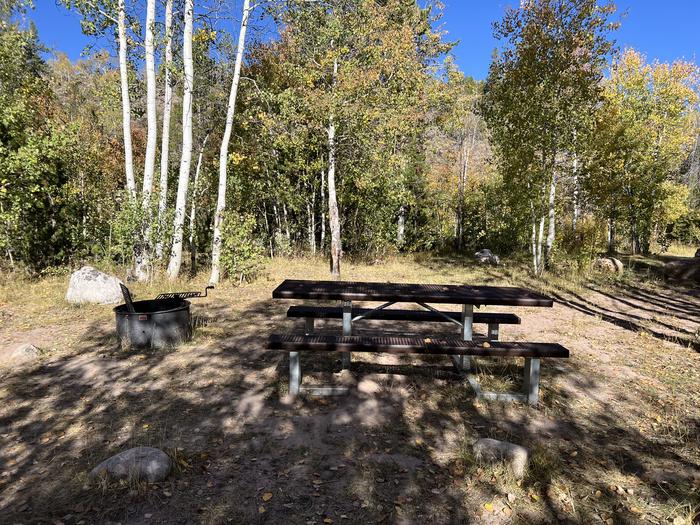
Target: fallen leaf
[
  {"x": 507, "y": 511},
  {"x": 511, "y": 497},
  {"x": 327, "y": 520},
  {"x": 534, "y": 497},
  {"x": 486, "y": 345},
  {"x": 267, "y": 496},
  {"x": 261, "y": 510},
  {"x": 488, "y": 507}
]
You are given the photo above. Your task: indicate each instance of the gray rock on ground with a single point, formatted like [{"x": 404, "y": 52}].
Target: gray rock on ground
[
  {"x": 486, "y": 256},
  {"x": 140, "y": 463},
  {"x": 89, "y": 285},
  {"x": 609, "y": 265},
  {"x": 24, "y": 353},
  {"x": 489, "y": 450}
]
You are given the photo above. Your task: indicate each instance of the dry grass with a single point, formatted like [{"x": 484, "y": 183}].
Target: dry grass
[{"x": 615, "y": 438}]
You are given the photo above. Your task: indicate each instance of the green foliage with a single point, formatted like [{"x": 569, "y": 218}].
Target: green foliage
[
  {"x": 580, "y": 246},
  {"x": 541, "y": 95},
  {"x": 242, "y": 253},
  {"x": 645, "y": 129}
]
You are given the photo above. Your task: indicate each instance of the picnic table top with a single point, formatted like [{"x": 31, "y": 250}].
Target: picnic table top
[{"x": 404, "y": 292}]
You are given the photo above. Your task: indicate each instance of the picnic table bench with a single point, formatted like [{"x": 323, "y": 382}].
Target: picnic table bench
[{"x": 461, "y": 349}]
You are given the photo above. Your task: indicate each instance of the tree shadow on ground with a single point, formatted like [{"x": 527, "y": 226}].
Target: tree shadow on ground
[{"x": 396, "y": 450}]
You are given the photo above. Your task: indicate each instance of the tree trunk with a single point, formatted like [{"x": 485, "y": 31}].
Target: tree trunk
[
  {"x": 151, "y": 117},
  {"x": 323, "y": 211},
  {"x": 533, "y": 246},
  {"x": 465, "y": 153},
  {"x": 192, "y": 240},
  {"x": 310, "y": 225},
  {"x": 165, "y": 138},
  {"x": 142, "y": 250},
  {"x": 577, "y": 195},
  {"x": 551, "y": 231},
  {"x": 540, "y": 240},
  {"x": 186, "y": 158},
  {"x": 223, "y": 152},
  {"x": 126, "y": 103},
  {"x": 611, "y": 234},
  {"x": 336, "y": 246},
  {"x": 286, "y": 222},
  {"x": 401, "y": 227}
]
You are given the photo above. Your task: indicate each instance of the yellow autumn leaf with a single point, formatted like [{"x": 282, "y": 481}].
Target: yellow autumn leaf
[
  {"x": 267, "y": 496},
  {"x": 261, "y": 510},
  {"x": 488, "y": 507}
]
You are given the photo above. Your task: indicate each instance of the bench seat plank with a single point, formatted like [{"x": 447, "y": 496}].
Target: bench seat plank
[
  {"x": 413, "y": 345},
  {"x": 331, "y": 312}
]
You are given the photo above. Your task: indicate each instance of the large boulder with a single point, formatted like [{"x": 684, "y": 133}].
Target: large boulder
[
  {"x": 89, "y": 285},
  {"x": 140, "y": 463},
  {"x": 684, "y": 270},
  {"x": 609, "y": 265},
  {"x": 486, "y": 256},
  {"x": 19, "y": 354},
  {"x": 489, "y": 450}
]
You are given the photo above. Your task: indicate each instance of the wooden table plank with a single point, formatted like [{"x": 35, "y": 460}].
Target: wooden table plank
[{"x": 403, "y": 292}]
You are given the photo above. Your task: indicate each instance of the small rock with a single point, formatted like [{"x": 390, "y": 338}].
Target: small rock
[
  {"x": 24, "y": 353},
  {"x": 492, "y": 450},
  {"x": 146, "y": 463},
  {"x": 89, "y": 285}
]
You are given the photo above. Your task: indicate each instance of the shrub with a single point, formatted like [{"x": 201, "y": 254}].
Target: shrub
[{"x": 242, "y": 252}]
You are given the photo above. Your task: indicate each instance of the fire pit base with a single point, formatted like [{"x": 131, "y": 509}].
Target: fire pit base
[{"x": 155, "y": 323}]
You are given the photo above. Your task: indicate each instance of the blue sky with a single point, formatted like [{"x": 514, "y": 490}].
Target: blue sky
[{"x": 663, "y": 30}]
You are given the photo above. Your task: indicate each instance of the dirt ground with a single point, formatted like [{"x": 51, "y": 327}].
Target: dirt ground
[{"x": 616, "y": 438}]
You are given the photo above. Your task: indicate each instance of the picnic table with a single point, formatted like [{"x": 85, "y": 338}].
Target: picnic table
[{"x": 460, "y": 349}]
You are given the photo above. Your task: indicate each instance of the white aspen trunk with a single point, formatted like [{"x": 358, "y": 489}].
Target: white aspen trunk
[
  {"x": 465, "y": 153},
  {"x": 151, "y": 117},
  {"x": 310, "y": 225},
  {"x": 577, "y": 196},
  {"x": 611, "y": 234},
  {"x": 193, "y": 207},
  {"x": 165, "y": 135},
  {"x": 551, "y": 230},
  {"x": 278, "y": 222},
  {"x": 223, "y": 152},
  {"x": 323, "y": 211},
  {"x": 401, "y": 227},
  {"x": 286, "y": 222},
  {"x": 142, "y": 252},
  {"x": 333, "y": 214},
  {"x": 534, "y": 245},
  {"x": 186, "y": 158},
  {"x": 126, "y": 103},
  {"x": 540, "y": 242}
]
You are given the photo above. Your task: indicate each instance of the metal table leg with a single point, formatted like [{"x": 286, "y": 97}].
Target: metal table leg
[
  {"x": 347, "y": 330},
  {"x": 467, "y": 333}
]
